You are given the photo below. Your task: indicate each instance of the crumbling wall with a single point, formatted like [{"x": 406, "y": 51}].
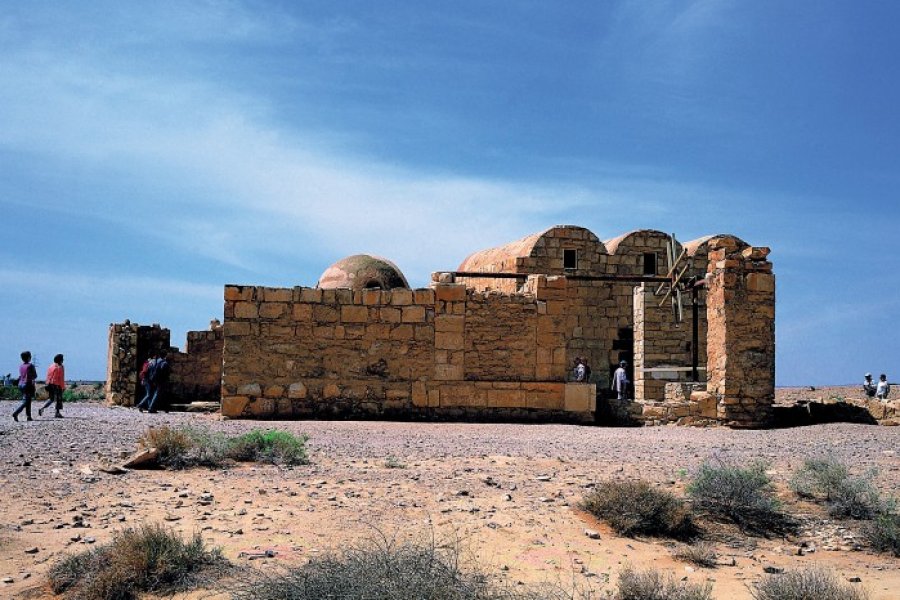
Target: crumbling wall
[
  {"x": 195, "y": 374},
  {"x": 129, "y": 346},
  {"x": 741, "y": 335},
  {"x": 402, "y": 353}
]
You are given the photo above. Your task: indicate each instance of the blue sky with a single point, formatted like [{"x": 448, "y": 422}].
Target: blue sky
[{"x": 152, "y": 152}]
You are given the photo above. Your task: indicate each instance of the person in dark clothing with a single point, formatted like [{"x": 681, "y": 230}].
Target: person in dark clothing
[
  {"x": 27, "y": 377},
  {"x": 149, "y": 365},
  {"x": 159, "y": 379}
]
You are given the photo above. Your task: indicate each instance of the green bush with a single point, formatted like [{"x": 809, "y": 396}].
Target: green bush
[
  {"x": 637, "y": 508},
  {"x": 653, "y": 585},
  {"x": 829, "y": 480},
  {"x": 382, "y": 570},
  {"x": 883, "y": 532},
  {"x": 10, "y": 393},
  {"x": 184, "y": 447},
  {"x": 814, "y": 583},
  {"x": 272, "y": 446},
  {"x": 150, "y": 558},
  {"x": 742, "y": 495}
]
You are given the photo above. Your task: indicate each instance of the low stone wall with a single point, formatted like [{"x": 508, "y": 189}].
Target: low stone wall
[
  {"x": 439, "y": 352},
  {"x": 197, "y": 372}
]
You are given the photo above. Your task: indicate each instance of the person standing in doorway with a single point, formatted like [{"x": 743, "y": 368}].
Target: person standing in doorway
[
  {"x": 27, "y": 377},
  {"x": 620, "y": 381},
  {"x": 56, "y": 383}
]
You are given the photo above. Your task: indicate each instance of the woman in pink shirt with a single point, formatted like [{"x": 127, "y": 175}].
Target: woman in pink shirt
[{"x": 56, "y": 383}]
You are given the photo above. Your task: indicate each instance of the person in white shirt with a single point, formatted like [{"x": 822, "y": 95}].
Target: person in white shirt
[
  {"x": 869, "y": 385},
  {"x": 620, "y": 381},
  {"x": 883, "y": 389}
]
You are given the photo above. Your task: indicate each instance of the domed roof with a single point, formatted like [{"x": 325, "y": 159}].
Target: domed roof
[{"x": 362, "y": 271}]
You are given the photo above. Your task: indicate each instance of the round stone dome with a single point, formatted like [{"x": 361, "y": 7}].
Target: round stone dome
[{"x": 362, "y": 271}]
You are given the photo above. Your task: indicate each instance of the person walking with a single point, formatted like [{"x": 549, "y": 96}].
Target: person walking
[
  {"x": 160, "y": 379},
  {"x": 27, "y": 377},
  {"x": 620, "y": 381},
  {"x": 883, "y": 390},
  {"x": 149, "y": 365},
  {"x": 56, "y": 383}
]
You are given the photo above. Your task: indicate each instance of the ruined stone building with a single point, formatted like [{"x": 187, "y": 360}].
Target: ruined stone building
[{"x": 495, "y": 339}]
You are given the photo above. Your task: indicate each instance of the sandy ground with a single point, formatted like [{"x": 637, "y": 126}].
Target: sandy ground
[{"x": 508, "y": 492}]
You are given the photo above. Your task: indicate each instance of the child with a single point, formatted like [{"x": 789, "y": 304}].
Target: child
[
  {"x": 56, "y": 383},
  {"x": 27, "y": 376}
]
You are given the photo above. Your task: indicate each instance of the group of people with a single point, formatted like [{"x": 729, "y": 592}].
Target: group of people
[
  {"x": 155, "y": 381},
  {"x": 581, "y": 372},
  {"x": 55, "y": 381},
  {"x": 880, "y": 390}
]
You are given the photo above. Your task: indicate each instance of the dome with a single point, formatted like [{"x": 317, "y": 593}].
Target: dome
[{"x": 362, "y": 271}]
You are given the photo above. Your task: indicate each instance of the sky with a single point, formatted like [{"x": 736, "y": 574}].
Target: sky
[{"x": 151, "y": 152}]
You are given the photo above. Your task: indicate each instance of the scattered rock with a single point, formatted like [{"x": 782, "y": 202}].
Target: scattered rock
[
  {"x": 594, "y": 535},
  {"x": 143, "y": 459}
]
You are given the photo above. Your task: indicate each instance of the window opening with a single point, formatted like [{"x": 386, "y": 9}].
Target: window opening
[
  {"x": 650, "y": 263},
  {"x": 570, "y": 259}
]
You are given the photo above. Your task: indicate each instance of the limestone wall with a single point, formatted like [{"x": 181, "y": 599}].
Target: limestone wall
[
  {"x": 741, "y": 337},
  {"x": 196, "y": 374},
  {"x": 402, "y": 353},
  {"x": 660, "y": 342}
]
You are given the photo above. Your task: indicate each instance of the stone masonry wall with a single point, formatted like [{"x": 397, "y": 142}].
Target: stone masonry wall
[
  {"x": 658, "y": 342},
  {"x": 403, "y": 353},
  {"x": 741, "y": 335},
  {"x": 129, "y": 346},
  {"x": 196, "y": 374}
]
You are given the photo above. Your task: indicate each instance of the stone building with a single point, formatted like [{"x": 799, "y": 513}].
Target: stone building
[{"x": 497, "y": 338}]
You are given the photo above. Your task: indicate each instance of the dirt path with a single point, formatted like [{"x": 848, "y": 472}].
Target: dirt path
[{"x": 508, "y": 492}]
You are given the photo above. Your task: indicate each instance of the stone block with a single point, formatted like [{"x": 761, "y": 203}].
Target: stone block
[
  {"x": 508, "y": 398},
  {"x": 450, "y": 292},
  {"x": 274, "y": 391},
  {"x": 413, "y": 314},
  {"x": 580, "y": 397},
  {"x": 351, "y": 313},
  {"x": 401, "y": 297},
  {"x": 419, "y": 394},
  {"x": 389, "y": 315},
  {"x": 272, "y": 310},
  {"x": 760, "y": 282},
  {"x": 277, "y": 294},
  {"x": 245, "y": 310},
  {"x": 331, "y": 391},
  {"x": 250, "y": 389},
  {"x": 234, "y": 293},
  {"x": 234, "y": 406},
  {"x": 450, "y": 324},
  {"x": 425, "y": 297},
  {"x": 312, "y": 295},
  {"x": 302, "y": 312},
  {"x": 448, "y": 340},
  {"x": 325, "y": 314},
  {"x": 237, "y": 328},
  {"x": 448, "y": 372},
  {"x": 370, "y": 297}
]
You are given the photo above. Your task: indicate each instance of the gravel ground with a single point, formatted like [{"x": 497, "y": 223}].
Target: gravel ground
[{"x": 511, "y": 490}]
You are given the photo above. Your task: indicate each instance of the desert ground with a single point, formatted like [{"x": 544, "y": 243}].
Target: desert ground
[{"x": 509, "y": 493}]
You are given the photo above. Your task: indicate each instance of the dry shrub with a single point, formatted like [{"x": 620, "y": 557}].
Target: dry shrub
[
  {"x": 273, "y": 446},
  {"x": 173, "y": 445},
  {"x": 742, "y": 495},
  {"x": 149, "y": 558},
  {"x": 828, "y": 480},
  {"x": 637, "y": 508},
  {"x": 185, "y": 447},
  {"x": 653, "y": 585},
  {"x": 382, "y": 569},
  {"x": 813, "y": 583},
  {"x": 702, "y": 554}
]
